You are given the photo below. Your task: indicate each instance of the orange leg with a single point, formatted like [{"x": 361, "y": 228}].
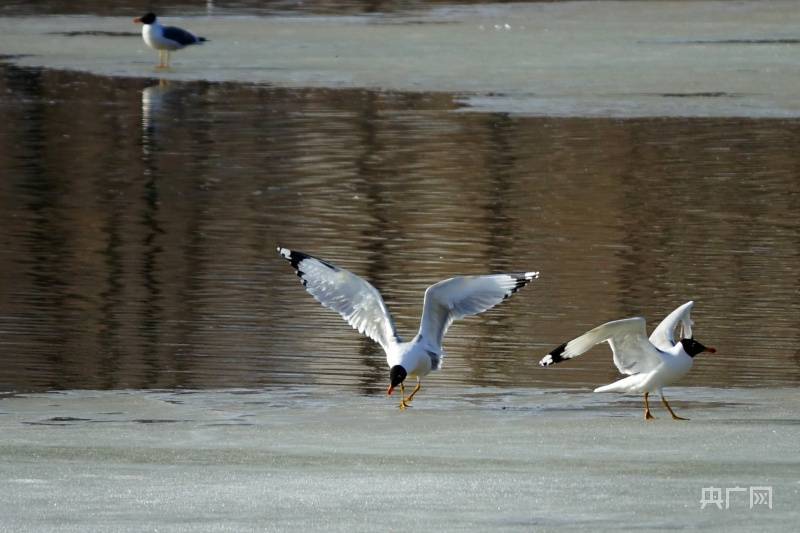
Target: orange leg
[
  {"x": 416, "y": 389},
  {"x": 647, "y": 414},
  {"x": 403, "y": 403},
  {"x": 674, "y": 416}
]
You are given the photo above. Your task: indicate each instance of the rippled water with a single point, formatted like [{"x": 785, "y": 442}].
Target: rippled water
[{"x": 139, "y": 221}]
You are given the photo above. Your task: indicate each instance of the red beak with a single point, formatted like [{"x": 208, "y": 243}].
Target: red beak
[
  {"x": 390, "y": 390},
  {"x": 138, "y": 20},
  {"x": 711, "y": 350}
]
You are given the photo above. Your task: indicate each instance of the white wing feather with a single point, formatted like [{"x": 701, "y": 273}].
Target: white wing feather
[
  {"x": 663, "y": 336},
  {"x": 633, "y": 352},
  {"x": 359, "y": 303},
  {"x": 458, "y": 297}
]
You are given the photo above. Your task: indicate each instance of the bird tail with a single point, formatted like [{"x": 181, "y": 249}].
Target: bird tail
[{"x": 202, "y": 40}]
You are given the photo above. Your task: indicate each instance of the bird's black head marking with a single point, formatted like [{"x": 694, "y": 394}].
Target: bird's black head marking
[
  {"x": 148, "y": 18},
  {"x": 397, "y": 374},
  {"x": 692, "y": 347}
]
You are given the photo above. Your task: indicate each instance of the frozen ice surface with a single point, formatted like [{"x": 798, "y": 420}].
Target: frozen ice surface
[
  {"x": 566, "y": 58},
  {"x": 317, "y": 459}
]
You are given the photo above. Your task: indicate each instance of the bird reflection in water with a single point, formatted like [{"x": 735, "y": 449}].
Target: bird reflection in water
[{"x": 152, "y": 103}]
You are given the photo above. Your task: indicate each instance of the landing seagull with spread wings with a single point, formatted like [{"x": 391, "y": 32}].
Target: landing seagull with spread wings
[
  {"x": 361, "y": 305},
  {"x": 650, "y": 364}
]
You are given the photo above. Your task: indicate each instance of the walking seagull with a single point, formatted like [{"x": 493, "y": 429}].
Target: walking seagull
[
  {"x": 649, "y": 363},
  {"x": 361, "y": 305},
  {"x": 165, "y": 38}
]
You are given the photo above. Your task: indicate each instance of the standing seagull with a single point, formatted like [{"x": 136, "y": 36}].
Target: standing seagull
[
  {"x": 650, "y": 363},
  {"x": 361, "y": 305},
  {"x": 165, "y": 38}
]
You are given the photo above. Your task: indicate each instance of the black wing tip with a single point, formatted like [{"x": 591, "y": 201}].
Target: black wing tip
[
  {"x": 202, "y": 40},
  {"x": 521, "y": 280},
  {"x": 554, "y": 356},
  {"x": 293, "y": 257}
]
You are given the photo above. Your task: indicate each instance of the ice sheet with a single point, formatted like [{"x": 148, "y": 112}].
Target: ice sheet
[
  {"x": 566, "y": 58},
  {"x": 316, "y": 459}
]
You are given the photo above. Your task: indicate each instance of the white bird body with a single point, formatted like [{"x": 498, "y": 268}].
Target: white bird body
[
  {"x": 414, "y": 356},
  {"x": 675, "y": 363},
  {"x": 650, "y": 363},
  {"x": 362, "y": 306},
  {"x": 153, "y": 35}
]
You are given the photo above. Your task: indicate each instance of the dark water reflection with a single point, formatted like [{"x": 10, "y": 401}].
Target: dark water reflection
[{"x": 139, "y": 223}]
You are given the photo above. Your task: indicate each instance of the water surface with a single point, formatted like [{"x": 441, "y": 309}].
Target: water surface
[{"x": 139, "y": 221}]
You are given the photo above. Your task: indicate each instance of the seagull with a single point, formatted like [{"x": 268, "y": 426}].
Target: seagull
[
  {"x": 649, "y": 363},
  {"x": 165, "y": 38},
  {"x": 361, "y": 305}
]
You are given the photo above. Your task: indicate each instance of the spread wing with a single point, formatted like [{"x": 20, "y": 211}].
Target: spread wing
[
  {"x": 359, "y": 303},
  {"x": 663, "y": 336},
  {"x": 633, "y": 352},
  {"x": 458, "y": 297}
]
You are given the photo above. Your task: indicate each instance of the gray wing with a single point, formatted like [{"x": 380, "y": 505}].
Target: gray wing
[
  {"x": 359, "y": 303},
  {"x": 179, "y": 35},
  {"x": 633, "y": 352},
  {"x": 458, "y": 297},
  {"x": 663, "y": 336}
]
